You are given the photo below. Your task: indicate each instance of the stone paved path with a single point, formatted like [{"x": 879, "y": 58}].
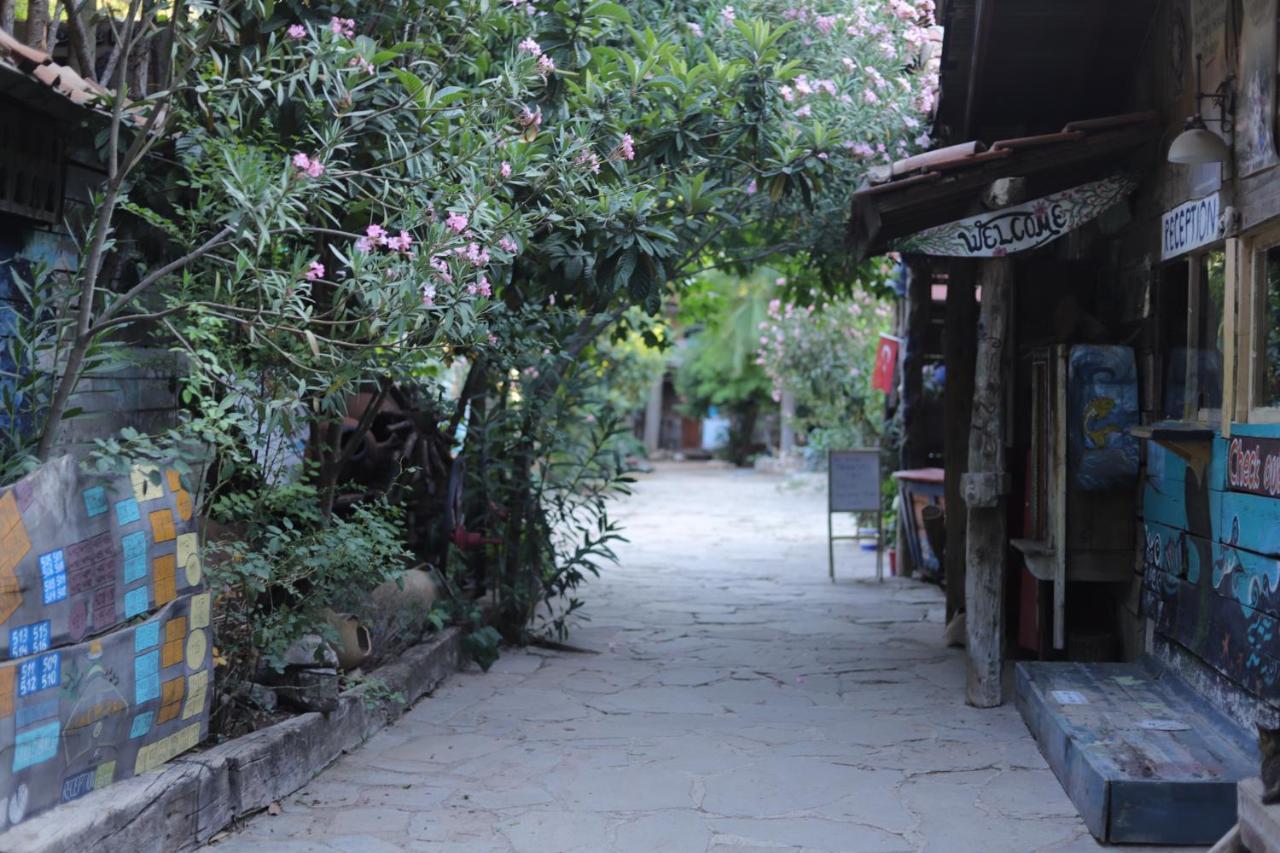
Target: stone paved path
[{"x": 739, "y": 703}]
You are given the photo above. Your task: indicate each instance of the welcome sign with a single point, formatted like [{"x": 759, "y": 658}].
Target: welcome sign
[{"x": 1021, "y": 227}]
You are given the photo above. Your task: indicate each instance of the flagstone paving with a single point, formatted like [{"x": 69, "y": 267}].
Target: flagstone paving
[{"x": 737, "y": 702}]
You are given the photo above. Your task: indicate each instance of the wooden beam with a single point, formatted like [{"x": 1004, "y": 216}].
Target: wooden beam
[
  {"x": 914, "y": 453},
  {"x": 959, "y": 347},
  {"x": 987, "y": 536}
]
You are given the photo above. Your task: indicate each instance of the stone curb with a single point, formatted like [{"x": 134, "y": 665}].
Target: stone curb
[{"x": 184, "y": 803}]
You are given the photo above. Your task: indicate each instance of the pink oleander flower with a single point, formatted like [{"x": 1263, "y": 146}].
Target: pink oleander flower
[
  {"x": 727, "y": 15},
  {"x": 551, "y": 300},
  {"x": 400, "y": 243},
  {"x": 508, "y": 245},
  {"x": 695, "y": 29},
  {"x": 309, "y": 166},
  {"x": 315, "y": 271},
  {"x": 788, "y": 95},
  {"x": 428, "y": 294},
  {"x": 364, "y": 244},
  {"x": 589, "y": 161},
  {"x": 546, "y": 65},
  {"x": 870, "y": 97},
  {"x": 297, "y": 32},
  {"x": 301, "y": 161},
  {"x": 456, "y": 222},
  {"x": 804, "y": 112},
  {"x": 825, "y": 23},
  {"x": 483, "y": 286},
  {"x": 363, "y": 64},
  {"x": 828, "y": 86},
  {"x": 344, "y": 27},
  {"x": 505, "y": 169},
  {"x": 849, "y": 64},
  {"x": 751, "y": 187},
  {"x": 802, "y": 85},
  {"x": 627, "y": 147},
  {"x": 822, "y": 155},
  {"x": 376, "y": 234},
  {"x": 530, "y": 47}
]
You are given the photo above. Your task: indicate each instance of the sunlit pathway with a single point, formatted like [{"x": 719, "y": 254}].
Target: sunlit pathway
[{"x": 739, "y": 702}]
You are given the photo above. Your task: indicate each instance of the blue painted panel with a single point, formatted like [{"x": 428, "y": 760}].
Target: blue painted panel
[
  {"x": 1102, "y": 405},
  {"x": 1251, "y": 522},
  {"x": 1142, "y": 757}
]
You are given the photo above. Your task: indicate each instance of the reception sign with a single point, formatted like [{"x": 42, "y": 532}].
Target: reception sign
[
  {"x": 1189, "y": 226},
  {"x": 1022, "y": 227}
]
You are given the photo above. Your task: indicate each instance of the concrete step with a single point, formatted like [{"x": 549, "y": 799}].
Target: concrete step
[{"x": 1144, "y": 758}]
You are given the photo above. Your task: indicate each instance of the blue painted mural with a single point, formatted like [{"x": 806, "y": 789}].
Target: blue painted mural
[
  {"x": 1102, "y": 404},
  {"x": 1212, "y": 557}
]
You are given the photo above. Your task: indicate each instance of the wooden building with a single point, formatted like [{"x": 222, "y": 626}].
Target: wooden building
[{"x": 1112, "y": 354}]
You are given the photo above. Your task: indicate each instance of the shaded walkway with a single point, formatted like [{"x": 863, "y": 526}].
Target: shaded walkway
[{"x": 739, "y": 702}]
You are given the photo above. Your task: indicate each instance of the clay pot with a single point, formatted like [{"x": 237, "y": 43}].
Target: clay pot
[
  {"x": 354, "y": 642},
  {"x": 417, "y": 588}
]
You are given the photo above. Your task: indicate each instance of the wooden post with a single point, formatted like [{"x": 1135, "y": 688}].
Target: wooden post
[
  {"x": 984, "y": 488},
  {"x": 959, "y": 342},
  {"x": 913, "y": 454}
]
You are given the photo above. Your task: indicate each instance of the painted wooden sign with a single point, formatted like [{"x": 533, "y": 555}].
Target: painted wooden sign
[
  {"x": 84, "y": 701},
  {"x": 81, "y": 555},
  {"x": 1189, "y": 226},
  {"x": 853, "y": 480},
  {"x": 77, "y": 718},
  {"x": 1022, "y": 227},
  {"x": 1253, "y": 466}
]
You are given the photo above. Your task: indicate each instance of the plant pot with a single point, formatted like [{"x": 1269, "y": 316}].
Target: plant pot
[
  {"x": 354, "y": 643},
  {"x": 416, "y": 587}
]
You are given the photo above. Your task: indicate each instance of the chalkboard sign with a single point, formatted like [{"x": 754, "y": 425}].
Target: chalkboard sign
[{"x": 853, "y": 480}]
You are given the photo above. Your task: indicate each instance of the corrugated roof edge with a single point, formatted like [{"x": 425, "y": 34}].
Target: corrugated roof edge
[{"x": 973, "y": 153}]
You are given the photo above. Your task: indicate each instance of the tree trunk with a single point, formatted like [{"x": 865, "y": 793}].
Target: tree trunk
[
  {"x": 984, "y": 489},
  {"x": 959, "y": 343},
  {"x": 38, "y": 24},
  {"x": 8, "y": 11}
]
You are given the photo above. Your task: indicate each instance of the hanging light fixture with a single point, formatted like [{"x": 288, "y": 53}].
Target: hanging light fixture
[{"x": 1198, "y": 144}]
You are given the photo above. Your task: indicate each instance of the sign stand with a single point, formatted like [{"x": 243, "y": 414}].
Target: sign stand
[{"x": 853, "y": 486}]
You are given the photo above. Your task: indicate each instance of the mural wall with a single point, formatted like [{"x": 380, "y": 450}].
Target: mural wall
[
  {"x": 105, "y": 629},
  {"x": 1211, "y": 582}
]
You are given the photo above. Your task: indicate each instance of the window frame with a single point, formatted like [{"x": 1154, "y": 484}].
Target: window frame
[
  {"x": 1250, "y": 318},
  {"x": 1194, "y": 263}
]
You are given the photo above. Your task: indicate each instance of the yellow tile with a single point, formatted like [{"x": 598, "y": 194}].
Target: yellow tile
[
  {"x": 200, "y": 610},
  {"x": 166, "y": 586},
  {"x": 171, "y": 693},
  {"x": 197, "y": 689},
  {"x": 162, "y": 529},
  {"x": 175, "y": 638},
  {"x": 153, "y": 755},
  {"x": 106, "y": 773},
  {"x": 144, "y": 488},
  {"x": 189, "y": 557}
]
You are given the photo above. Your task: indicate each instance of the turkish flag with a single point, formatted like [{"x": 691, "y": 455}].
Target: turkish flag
[{"x": 886, "y": 364}]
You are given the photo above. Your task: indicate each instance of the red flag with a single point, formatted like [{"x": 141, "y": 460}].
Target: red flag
[{"x": 886, "y": 364}]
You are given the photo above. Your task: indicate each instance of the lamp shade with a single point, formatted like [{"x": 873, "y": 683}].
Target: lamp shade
[{"x": 1198, "y": 145}]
